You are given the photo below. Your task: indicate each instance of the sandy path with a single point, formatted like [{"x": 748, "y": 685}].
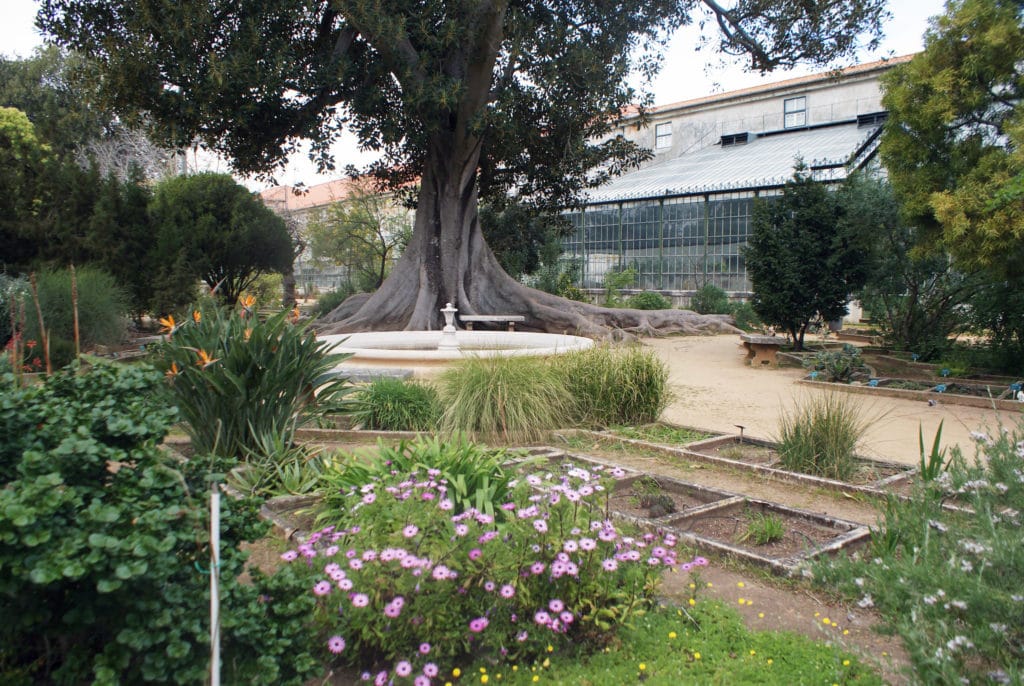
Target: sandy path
[{"x": 715, "y": 390}]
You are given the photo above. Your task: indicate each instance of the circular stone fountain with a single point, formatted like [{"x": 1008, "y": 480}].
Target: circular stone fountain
[{"x": 422, "y": 350}]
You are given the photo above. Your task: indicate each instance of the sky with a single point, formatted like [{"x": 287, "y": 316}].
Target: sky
[{"x": 686, "y": 73}]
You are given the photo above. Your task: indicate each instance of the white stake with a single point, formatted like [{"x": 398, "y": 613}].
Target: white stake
[{"x": 214, "y": 587}]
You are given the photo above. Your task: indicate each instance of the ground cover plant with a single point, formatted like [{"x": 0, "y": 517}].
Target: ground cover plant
[
  {"x": 819, "y": 436},
  {"x": 837, "y": 366},
  {"x": 660, "y": 433},
  {"x": 236, "y": 378},
  {"x": 703, "y": 642},
  {"x": 407, "y": 587},
  {"x": 948, "y": 582},
  {"x": 104, "y": 546}
]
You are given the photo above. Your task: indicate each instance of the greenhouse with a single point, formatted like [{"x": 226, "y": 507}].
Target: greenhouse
[{"x": 683, "y": 223}]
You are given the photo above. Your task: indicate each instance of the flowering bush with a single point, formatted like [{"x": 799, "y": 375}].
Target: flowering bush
[
  {"x": 949, "y": 582},
  {"x": 235, "y": 377},
  {"x": 406, "y": 586}
]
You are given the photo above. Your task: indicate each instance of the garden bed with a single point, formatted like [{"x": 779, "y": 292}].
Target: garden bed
[
  {"x": 802, "y": 535},
  {"x": 878, "y": 477},
  {"x": 656, "y": 498},
  {"x": 924, "y": 391}
]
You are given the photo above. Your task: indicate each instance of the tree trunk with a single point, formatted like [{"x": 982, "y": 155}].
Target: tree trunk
[{"x": 448, "y": 260}]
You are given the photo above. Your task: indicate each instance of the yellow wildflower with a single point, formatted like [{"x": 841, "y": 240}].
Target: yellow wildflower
[
  {"x": 740, "y": 584},
  {"x": 741, "y": 601},
  {"x": 456, "y": 672},
  {"x": 536, "y": 678},
  {"x": 671, "y": 634},
  {"x": 692, "y": 602},
  {"x": 484, "y": 678},
  {"x": 846, "y": 663},
  {"x": 696, "y": 656},
  {"x": 642, "y": 666}
]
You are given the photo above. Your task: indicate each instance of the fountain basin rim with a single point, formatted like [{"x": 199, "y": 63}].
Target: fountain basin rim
[{"x": 422, "y": 345}]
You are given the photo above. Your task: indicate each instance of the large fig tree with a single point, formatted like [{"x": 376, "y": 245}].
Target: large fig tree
[{"x": 471, "y": 98}]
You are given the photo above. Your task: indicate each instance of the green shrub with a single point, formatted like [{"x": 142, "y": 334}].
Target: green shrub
[
  {"x": 838, "y": 366},
  {"x": 105, "y": 544},
  {"x": 475, "y": 475},
  {"x": 710, "y": 299},
  {"x": 515, "y": 399},
  {"x": 763, "y": 529},
  {"x": 615, "y": 281},
  {"x": 428, "y": 588},
  {"x": 328, "y": 301},
  {"x": 948, "y": 582},
  {"x": 615, "y": 385},
  {"x": 395, "y": 405},
  {"x": 745, "y": 318},
  {"x": 268, "y": 289},
  {"x": 12, "y": 292},
  {"x": 102, "y": 311},
  {"x": 649, "y": 300},
  {"x": 820, "y": 436},
  {"x": 235, "y": 378}
]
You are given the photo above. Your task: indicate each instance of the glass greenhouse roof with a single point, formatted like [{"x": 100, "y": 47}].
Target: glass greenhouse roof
[{"x": 766, "y": 160}]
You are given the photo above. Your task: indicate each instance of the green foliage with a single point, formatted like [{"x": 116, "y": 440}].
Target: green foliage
[
  {"x": 660, "y": 433},
  {"x": 364, "y": 233},
  {"x": 820, "y": 436},
  {"x": 648, "y": 300},
  {"x": 615, "y": 385},
  {"x": 952, "y": 140},
  {"x": 475, "y": 475},
  {"x": 916, "y": 298},
  {"x": 328, "y": 301},
  {"x": 396, "y": 405},
  {"x": 710, "y": 299},
  {"x": 615, "y": 280},
  {"x": 838, "y": 366},
  {"x": 440, "y": 586},
  {"x": 763, "y": 529},
  {"x": 209, "y": 227},
  {"x": 806, "y": 255},
  {"x": 931, "y": 463},
  {"x": 523, "y": 237},
  {"x": 22, "y": 163},
  {"x": 712, "y": 644},
  {"x": 14, "y": 292},
  {"x": 745, "y": 317},
  {"x": 102, "y": 311},
  {"x": 268, "y": 290},
  {"x": 105, "y": 540},
  {"x": 996, "y": 313},
  {"x": 275, "y": 467},
  {"x": 947, "y": 582},
  {"x": 235, "y": 378},
  {"x": 515, "y": 399}
]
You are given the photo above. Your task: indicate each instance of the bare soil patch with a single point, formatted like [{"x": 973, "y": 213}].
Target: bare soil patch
[{"x": 734, "y": 526}]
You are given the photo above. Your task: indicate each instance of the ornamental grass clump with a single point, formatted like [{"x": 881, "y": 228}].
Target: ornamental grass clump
[
  {"x": 625, "y": 385},
  {"x": 514, "y": 399},
  {"x": 396, "y": 405},
  {"x": 235, "y": 378},
  {"x": 406, "y": 587},
  {"x": 820, "y": 436},
  {"x": 948, "y": 581}
]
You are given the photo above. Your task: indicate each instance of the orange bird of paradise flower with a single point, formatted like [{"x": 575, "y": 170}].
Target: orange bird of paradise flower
[
  {"x": 204, "y": 360},
  {"x": 172, "y": 372},
  {"x": 197, "y": 316},
  {"x": 168, "y": 323}
]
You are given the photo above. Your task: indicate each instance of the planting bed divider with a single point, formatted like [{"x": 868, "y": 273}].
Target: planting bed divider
[
  {"x": 720, "y": 528},
  {"x": 699, "y": 522},
  {"x": 923, "y": 396},
  {"x": 698, "y": 452}
]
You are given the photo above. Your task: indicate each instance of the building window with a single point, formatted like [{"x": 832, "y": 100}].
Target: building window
[
  {"x": 663, "y": 135},
  {"x": 795, "y": 110}
]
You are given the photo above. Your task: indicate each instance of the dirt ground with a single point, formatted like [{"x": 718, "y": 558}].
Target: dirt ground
[{"x": 716, "y": 390}]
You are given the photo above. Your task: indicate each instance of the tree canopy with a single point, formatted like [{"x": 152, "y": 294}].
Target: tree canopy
[
  {"x": 807, "y": 254},
  {"x": 209, "y": 227},
  {"x": 473, "y": 98},
  {"x": 953, "y": 140}
]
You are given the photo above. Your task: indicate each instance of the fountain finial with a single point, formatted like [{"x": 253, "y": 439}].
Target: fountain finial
[{"x": 448, "y": 340}]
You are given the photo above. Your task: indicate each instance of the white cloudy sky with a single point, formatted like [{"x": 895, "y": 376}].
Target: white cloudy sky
[{"x": 686, "y": 72}]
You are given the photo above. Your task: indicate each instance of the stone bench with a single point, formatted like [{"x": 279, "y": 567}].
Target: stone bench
[
  {"x": 762, "y": 350},
  {"x": 468, "y": 319}
]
